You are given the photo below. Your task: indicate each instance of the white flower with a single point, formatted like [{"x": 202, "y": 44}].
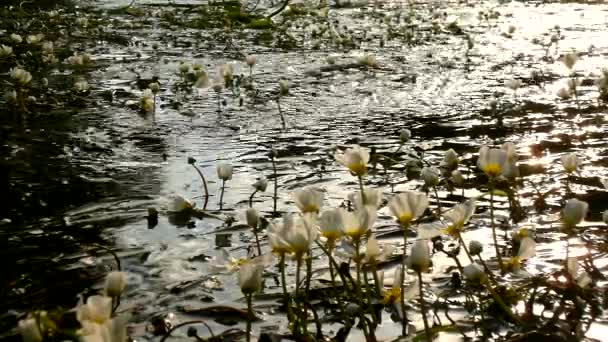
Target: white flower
[
  {"x": 251, "y": 60},
  {"x": 564, "y": 93},
  {"x": 29, "y": 330},
  {"x": 513, "y": 84},
  {"x": 450, "y": 159},
  {"x": 459, "y": 215},
  {"x": 419, "y": 259},
  {"x": 252, "y": 217},
  {"x": 261, "y": 184},
  {"x": 227, "y": 73},
  {"x": 355, "y": 159},
  {"x": 178, "y": 204},
  {"x": 16, "y": 38},
  {"x": 405, "y": 135},
  {"x": 284, "y": 87},
  {"x": 570, "y": 162},
  {"x": 5, "y": 51},
  {"x": 10, "y": 96},
  {"x": 605, "y": 216},
  {"x": 430, "y": 176},
  {"x": 35, "y": 38},
  {"x": 358, "y": 222},
  {"x": 570, "y": 59},
  {"x": 97, "y": 309},
  {"x": 492, "y": 161},
  {"x": 250, "y": 278},
  {"x": 154, "y": 87},
  {"x": 574, "y": 212},
  {"x": 408, "y": 206},
  {"x": 474, "y": 273},
  {"x": 373, "y": 253},
  {"x": 224, "y": 171},
  {"x": 276, "y": 235},
  {"x": 21, "y": 76},
  {"x": 330, "y": 225},
  {"x": 115, "y": 283},
  {"x": 527, "y": 249},
  {"x": 81, "y": 86},
  {"x": 308, "y": 200},
  {"x": 300, "y": 234},
  {"x": 457, "y": 178},
  {"x": 224, "y": 262},
  {"x": 373, "y": 197},
  {"x": 368, "y": 60}
]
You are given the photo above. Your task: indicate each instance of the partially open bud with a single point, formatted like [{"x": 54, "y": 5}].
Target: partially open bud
[
  {"x": 250, "y": 277},
  {"x": 474, "y": 273},
  {"x": 261, "y": 184},
  {"x": 475, "y": 247},
  {"x": 574, "y": 212},
  {"x": 405, "y": 135},
  {"x": 419, "y": 259},
  {"x": 252, "y": 217},
  {"x": 115, "y": 283},
  {"x": 224, "y": 171},
  {"x": 29, "y": 330}
]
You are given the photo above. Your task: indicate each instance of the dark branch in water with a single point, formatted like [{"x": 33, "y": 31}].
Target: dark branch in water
[{"x": 184, "y": 324}]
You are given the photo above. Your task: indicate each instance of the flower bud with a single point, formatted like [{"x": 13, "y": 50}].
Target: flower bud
[
  {"x": 450, "y": 159},
  {"x": 261, "y": 184},
  {"x": 251, "y": 60},
  {"x": 605, "y": 217},
  {"x": 155, "y": 87},
  {"x": 250, "y": 277},
  {"x": 224, "y": 171},
  {"x": 405, "y": 135},
  {"x": 574, "y": 212},
  {"x": 430, "y": 176},
  {"x": 457, "y": 178},
  {"x": 29, "y": 330},
  {"x": 284, "y": 87},
  {"x": 474, "y": 273},
  {"x": 570, "y": 162},
  {"x": 115, "y": 283},
  {"x": 420, "y": 257},
  {"x": 252, "y": 217},
  {"x": 475, "y": 247}
]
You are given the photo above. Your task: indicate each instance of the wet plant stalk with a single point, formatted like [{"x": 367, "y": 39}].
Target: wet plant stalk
[
  {"x": 283, "y": 124},
  {"x": 501, "y": 303},
  {"x": 222, "y": 194},
  {"x": 284, "y": 285},
  {"x": 257, "y": 241},
  {"x": 251, "y": 198},
  {"x": 204, "y": 186},
  {"x": 427, "y": 331},
  {"x": 496, "y": 247},
  {"x": 359, "y": 291},
  {"x": 402, "y": 294},
  {"x": 363, "y": 197},
  {"x": 438, "y": 201},
  {"x": 298, "y": 323},
  {"x": 275, "y": 196},
  {"x": 219, "y": 102},
  {"x": 249, "y": 316}
]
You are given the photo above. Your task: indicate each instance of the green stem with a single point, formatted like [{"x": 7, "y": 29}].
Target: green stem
[
  {"x": 357, "y": 243},
  {"x": 249, "y": 316},
  {"x": 297, "y": 323},
  {"x": 330, "y": 247},
  {"x": 281, "y": 114},
  {"x": 257, "y": 241},
  {"x": 496, "y": 247},
  {"x": 363, "y": 197},
  {"x": 438, "y": 201},
  {"x": 222, "y": 193},
  {"x": 402, "y": 298},
  {"x": 251, "y": 198},
  {"x": 500, "y": 303},
  {"x": 284, "y": 285},
  {"x": 200, "y": 173},
  {"x": 275, "y": 196},
  {"x": 376, "y": 280},
  {"x": 423, "y": 308},
  {"x": 488, "y": 271},
  {"x": 464, "y": 246}
]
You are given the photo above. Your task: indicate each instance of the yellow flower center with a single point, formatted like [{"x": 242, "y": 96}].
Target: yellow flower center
[
  {"x": 391, "y": 296},
  {"x": 405, "y": 219},
  {"x": 358, "y": 169},
  {"x": 310, "y": 208},
  {"x": 354, "y": 233},
  {"x": 331, "y": 235},
  {"x": 452, "y": 230},
  {"x": 513, "y": 264},
  {"x": 492, "y": 169}
]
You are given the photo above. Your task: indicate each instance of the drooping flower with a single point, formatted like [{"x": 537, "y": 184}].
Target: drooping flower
[
  {"x": 574, "y": 212},
  {"x": 570, "y": 162},
  {"x": 178, "y": 204},
  {"x": 492, "y": 161},
  {"x": 357, "y": 223},
  {"x": 226, "y": 263},
  {"x": 373, "y": 197},
  {"x": 250, "y": 278},
  {"x": 330, "y": 225},
  {"x": 355, "y": 159},
  {"x": 419, "y": 258},
  {"x": 457, "y": 178},
  {"x": 224, "y": 171},
  {"x": 408, "y": 206},
  {"x": 475, "y": 247},
  {"x": 308, "y": 200},
  {"x": 116, "y": 282}
]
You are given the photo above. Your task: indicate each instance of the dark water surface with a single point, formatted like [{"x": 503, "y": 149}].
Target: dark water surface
[{"x": 87, "y": 177}]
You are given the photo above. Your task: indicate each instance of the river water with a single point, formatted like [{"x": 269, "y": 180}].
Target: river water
[{"x": 107, "y": 165}]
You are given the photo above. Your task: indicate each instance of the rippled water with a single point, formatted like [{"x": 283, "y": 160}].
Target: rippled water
[{"x": 130, "y": 163}]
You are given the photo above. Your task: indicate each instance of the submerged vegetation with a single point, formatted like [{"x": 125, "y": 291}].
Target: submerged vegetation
[{"x": 370, "y": 236}]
